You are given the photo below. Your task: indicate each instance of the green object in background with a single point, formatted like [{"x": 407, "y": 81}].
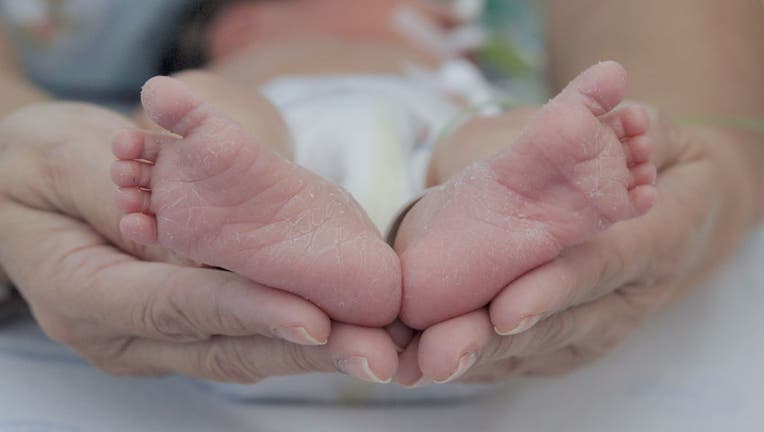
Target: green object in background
[
  {"x": 502, "y": 56},
  {"x": 514, "y": 46},
  {"x": 499, "y": 12},
  {"x": 751, "y": 124},
  {"x": 515, "y": 51}
]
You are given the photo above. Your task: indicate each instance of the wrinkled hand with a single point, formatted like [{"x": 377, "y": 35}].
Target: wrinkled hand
[
  {"x": 60, "y": 245},
  {"x": 581, "y": 305}
]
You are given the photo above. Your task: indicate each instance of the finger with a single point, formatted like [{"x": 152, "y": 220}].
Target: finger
[
  {"x": 364, "y": 353},
  {"x": 114, "y": 292},
  {"x": 558, "y": 362},
  {"x": 669, "y": 143},
  {"x": 581, "y": 274},
  {"x": 449, "y": 349},
  {"x": 639, "y": 251},
  {"x": 72, "y": 176},
  {"x": 165, "y": 302},
  {"x": 602, "y": 323},
  {"x": 409, "y": 374}
]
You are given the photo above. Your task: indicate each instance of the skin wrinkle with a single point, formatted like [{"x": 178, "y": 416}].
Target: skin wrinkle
[
  {"x": 162, "y": 314},
  {"x": 188, "y": 123},
  {"x": 108, "y": 359},
  {"x": 200, "y": 184},
  {"x": 209, "y": 175},
  {"x": 670, "y": 268},
  {"x": 516, "y": 220},
  {"x": 37, "y": 160},
  {"x": 227, "y": 318},
  {"x": 51, "y": 169},
  {"x": 214, "y": 175},
  {"x": 518, "y": 225},
  {"x": 222, "y": 233},
  {"x": 596, "y": 158},
  {"x": 91, "y": 271},
  {"x": 140, "y": 315},
  {"x": 275, "y": 216},
  {"x": 228, "y": 363},
  {"x": 310, "y": 233},
  {"x": 481, "y": 215}
]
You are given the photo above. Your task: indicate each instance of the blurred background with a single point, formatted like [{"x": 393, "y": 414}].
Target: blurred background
[{"x": 54, "y": 40}]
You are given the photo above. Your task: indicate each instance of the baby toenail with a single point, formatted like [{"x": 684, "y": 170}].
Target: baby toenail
[
  {"x": 359, "y": 367},
  {"x": 465, "y": 363},
  {"x": 297, "y": 335},
  {"x": 524, "y": 325}
]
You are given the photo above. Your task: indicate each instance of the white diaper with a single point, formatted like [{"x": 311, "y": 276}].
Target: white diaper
[{"x": 373, "y": 135}]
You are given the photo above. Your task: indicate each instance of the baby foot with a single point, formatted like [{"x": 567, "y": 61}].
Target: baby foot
[
  {"x": 579, "y": 167},
  {"x": 216, "y": 195}
]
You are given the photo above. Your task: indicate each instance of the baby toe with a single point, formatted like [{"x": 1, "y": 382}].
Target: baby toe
[
  {"x": 140, "y": 228},
  {"x": 639, "y": 150},
  {"x": 135, "y": 144},
  {"x": 643, "y": 198},
  {"x": 643, "y": 174},
  {"x": 132, "y": 200},
  {"x": 126, "y": 174}
]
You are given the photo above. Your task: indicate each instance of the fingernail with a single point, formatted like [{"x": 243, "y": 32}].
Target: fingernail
[
  {"x": 297, "y": 335},
  {"x": 524, "y": 324},
  {"x": 465, "y": 363},
  {"x": 359, "y": 367},
  {"x": 423, "y": 381}
]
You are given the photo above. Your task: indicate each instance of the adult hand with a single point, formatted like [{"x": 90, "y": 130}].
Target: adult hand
[
  {"x": 90, "y": 290},
  {"x": 581, "y": 305}
]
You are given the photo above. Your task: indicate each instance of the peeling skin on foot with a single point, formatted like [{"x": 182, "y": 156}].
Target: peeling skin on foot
[
  {"x": 560, "y": 183},
  {"x": 219, "y": 197}
]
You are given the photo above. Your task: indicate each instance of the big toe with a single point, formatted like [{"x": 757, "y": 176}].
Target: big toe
[
  {"x": 600, "y": 88},
  {"x": 167, "y": 101}
]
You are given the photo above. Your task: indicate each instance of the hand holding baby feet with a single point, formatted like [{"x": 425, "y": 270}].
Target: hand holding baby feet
[
  {"x": 582, "y": 304},
  {"x": 217, "y": 195},
  {"x": 580, "y": 166}
]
